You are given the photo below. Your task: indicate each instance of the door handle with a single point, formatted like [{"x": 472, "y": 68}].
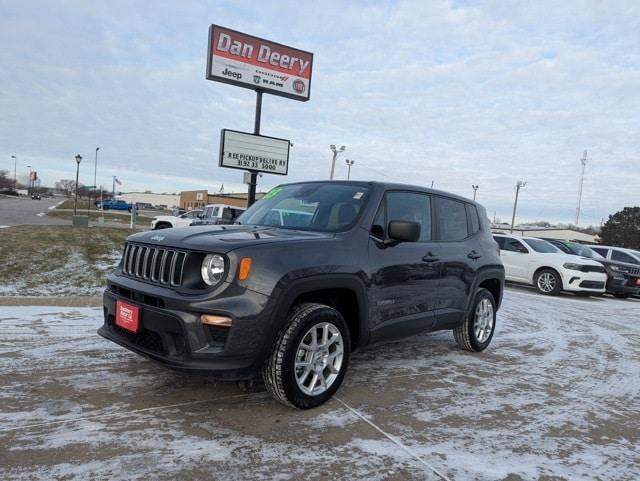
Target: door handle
[
  {"x": 430, "y": 257},
  {"x": 474, "y": 255}
]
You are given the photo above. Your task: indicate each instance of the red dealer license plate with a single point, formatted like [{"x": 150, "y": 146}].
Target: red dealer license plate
[{"x": 127, "y": 316}]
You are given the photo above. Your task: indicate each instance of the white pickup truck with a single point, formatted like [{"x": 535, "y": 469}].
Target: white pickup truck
[{"x": 167, "y": 221}]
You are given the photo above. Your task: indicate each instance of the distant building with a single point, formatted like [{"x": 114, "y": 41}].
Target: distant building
[
  {"x": 156, "y": 200},
  {"x": 197, "y": 199},
  {"x": 546, "y": 232}
]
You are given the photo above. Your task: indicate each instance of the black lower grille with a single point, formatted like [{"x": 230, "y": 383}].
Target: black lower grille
[
  {"x": 592, "y": 284},
  {"x": 145, "y": 339}
]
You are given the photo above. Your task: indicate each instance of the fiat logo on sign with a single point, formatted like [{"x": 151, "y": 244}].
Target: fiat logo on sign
[{"x": 298, "y": 86}]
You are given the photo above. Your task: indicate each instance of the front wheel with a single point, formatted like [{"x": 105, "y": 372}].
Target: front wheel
[
  {"x": 310, "y": 357},
  {"x": 476, "y": 332},
  {"x": 548, "y": 282}
]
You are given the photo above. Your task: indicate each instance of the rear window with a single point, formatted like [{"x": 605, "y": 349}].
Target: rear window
[
  {"x": 451, "y": 219},
  {"x": 474, "y": 221}
]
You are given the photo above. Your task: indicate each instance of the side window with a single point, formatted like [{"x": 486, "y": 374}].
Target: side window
[
  {"x": 514, "y": 245},
  {"x": 404, "y": 206},
  {"x": 601, "y": 251},
  {"x": 500, "y": 241},
  {"x": 451, "y": 219},
  {"x": 474, "y": 221},
  {"x": 623, "y": 257}
]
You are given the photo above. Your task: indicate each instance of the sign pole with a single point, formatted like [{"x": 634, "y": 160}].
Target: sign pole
[{"x": 256, "y": 130}]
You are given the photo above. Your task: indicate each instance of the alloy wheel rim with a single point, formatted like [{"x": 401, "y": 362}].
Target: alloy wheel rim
[
  {"x": 546, "y": 282},
  {"x": 319, "y": 358},
  {"x": 483, "y": 320}
]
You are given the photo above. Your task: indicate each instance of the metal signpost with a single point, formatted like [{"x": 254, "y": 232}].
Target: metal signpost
[{"x": 264, "y": 66}]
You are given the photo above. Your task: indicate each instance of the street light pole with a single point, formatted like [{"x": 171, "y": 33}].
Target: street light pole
[
  {"x": 75, "y": 202},
  {"x": 349, "y": 164},
  {"x": 335, "y": 156},
  {"x": 475, "y": 188},
  {"x": 519, "y": 185},
  {"x": 15, "y": 164}
]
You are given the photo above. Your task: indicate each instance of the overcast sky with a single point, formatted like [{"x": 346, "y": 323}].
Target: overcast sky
[{"x": 457, "y": 93}]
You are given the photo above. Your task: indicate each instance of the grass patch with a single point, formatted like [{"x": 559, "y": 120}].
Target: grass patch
[
  {"x": 94, "y": 215},
  {"x": 57, "y": 260},
  {"x": 82, "y": 204}
]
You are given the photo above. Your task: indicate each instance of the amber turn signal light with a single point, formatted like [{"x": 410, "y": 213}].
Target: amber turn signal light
[
  {"x": 212, "y": 320},
  {"x": 245, "y": 269}
]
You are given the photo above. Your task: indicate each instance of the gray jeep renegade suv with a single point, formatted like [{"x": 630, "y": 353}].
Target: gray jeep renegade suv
[{"x": 305, "y": 276}]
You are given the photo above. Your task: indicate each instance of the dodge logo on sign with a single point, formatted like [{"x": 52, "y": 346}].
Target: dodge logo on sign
[{"x": 254, "y": 63}]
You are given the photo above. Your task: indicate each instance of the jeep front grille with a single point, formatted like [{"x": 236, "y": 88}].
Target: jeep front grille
[{"x": 154, "y": 264}]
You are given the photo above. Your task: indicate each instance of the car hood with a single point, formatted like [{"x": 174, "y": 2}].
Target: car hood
[{"x": 223, "y": 238}]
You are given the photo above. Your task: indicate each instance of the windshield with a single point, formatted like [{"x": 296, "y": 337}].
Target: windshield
[
  {"x": 583, "y": 251},
  {"x": 318, "y": 206},
  {"x": 539, "y": 245}
]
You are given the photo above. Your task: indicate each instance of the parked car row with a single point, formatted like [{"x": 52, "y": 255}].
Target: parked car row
[
  {"x": 552, "y": 265},
  {"x": 213, "y": 214}
]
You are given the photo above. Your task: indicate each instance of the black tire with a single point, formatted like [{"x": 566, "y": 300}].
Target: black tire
[
  {"x": 162, "y": 225},
  {"x": 556, "y": 280},
  {"x": 465, "y": 334},
  {"x": 620, "y": 295},
  {"x": 279, "y": 372}
]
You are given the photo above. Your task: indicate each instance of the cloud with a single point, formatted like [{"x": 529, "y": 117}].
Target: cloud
[{"x": 458, "y": 93}]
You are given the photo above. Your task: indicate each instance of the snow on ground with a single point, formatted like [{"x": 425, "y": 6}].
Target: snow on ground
[
  {"x": 555, "y": 397},
  {"x": 76, "y": 276}
]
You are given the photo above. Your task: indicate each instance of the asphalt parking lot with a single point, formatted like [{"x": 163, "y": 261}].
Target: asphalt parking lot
[
  {"x": 555, "y": 397},
  {"x": 25, "y": 211}
]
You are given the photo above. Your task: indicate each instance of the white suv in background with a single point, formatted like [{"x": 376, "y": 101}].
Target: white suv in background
[
  {"x": 619, "y": 254},
  {"x": 537, "y": 262}
]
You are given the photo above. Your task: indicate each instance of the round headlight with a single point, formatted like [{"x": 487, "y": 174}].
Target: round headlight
[{"x": 212, "y": 269}]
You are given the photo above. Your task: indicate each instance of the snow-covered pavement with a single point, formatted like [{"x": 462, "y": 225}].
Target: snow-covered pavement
[{"x": 555, "y": 397}]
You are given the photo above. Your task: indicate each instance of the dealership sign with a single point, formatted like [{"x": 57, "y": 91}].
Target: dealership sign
[
  {"x": 259, "y": 153},
  {"x": 251, "y": 62}
]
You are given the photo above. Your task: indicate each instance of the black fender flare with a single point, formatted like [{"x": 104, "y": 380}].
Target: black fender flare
[
  {"x": 285, "y": 295},
  {"x": 486, "y": 273}
]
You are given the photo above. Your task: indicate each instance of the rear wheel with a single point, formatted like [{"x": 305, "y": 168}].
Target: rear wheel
[
  {"x": 310, "y": 357},
  {"x": 548, "y": 282},
  {"x": 476, "y": 332}
]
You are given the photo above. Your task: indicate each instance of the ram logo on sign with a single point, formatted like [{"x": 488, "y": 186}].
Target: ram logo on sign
[
  {"x": 251, "y": 62},
  {"x": 240, "y": 150}
]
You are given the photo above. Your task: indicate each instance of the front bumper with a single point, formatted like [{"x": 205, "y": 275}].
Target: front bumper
[
  {"x": 623, "y": 284},
  {"x": 578, "y": 281},
  {"x": 171, "y": 333}
]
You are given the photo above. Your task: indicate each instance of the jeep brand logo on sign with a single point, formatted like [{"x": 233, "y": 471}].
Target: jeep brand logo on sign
[
  {"x": 240, "y": 150},
  {"x": 245, "y": 60}
]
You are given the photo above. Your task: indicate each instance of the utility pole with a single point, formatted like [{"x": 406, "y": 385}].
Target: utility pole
[
  {"x": 15, "y": 163},
  {"x": 349, "y": 164},
  {"x": 519, "y": 185},
  {"x": 335, "y": 156},
  {"x": 583, "y": 162},
  {"x": 95, "y": 172},
  {"x": 475, "y": 188}
]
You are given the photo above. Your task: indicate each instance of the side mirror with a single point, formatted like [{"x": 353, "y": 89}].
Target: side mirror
[{"x": 404, "y": 231}]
